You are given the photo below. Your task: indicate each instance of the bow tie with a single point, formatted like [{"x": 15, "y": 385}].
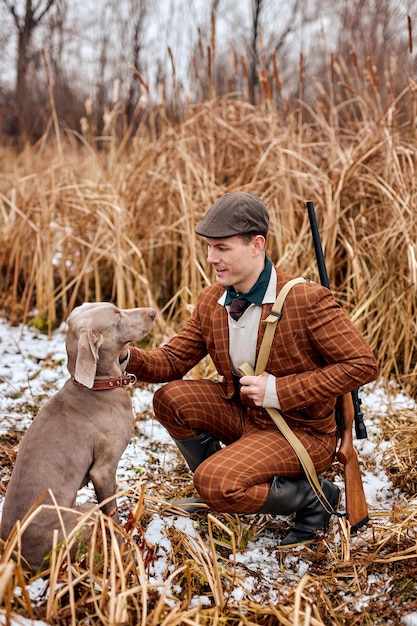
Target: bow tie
[{"x": 237, "y": 307}]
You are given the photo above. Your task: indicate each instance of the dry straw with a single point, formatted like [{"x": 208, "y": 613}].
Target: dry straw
[
  {"x": 110, "y": 580},
  {"x": 90, "y": 225}
]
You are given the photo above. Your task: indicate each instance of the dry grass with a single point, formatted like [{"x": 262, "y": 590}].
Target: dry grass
[
  {"x": 369, "y": 579},
  {"x": 400, "y": 462},
  {"x": 85, "y": 224}
]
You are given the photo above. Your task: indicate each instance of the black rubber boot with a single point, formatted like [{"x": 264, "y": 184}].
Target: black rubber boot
[
  {"x": 195, "y": 451},
  {"x": 198, "y": 449},
  {"x": 295, "y": 495}
]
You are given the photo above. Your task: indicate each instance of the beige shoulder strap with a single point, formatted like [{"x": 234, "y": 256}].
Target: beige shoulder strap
[
  {"x": 271, "y": 322},
  {"x": 304, "y": 457}
]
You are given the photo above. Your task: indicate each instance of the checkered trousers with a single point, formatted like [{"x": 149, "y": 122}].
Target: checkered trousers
[{"x": 236, "y": 479}]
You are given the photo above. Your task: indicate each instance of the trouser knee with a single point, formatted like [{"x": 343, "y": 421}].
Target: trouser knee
[
  {"x": 221, "y": 494},
  {"x": 162, "y": 404},
  {"x": 173, "y": 413}
]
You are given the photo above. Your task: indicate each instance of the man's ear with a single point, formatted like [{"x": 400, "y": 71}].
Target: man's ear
[
  {"x": 89, "y": 343},
  {"x": 259, "y": 243}
]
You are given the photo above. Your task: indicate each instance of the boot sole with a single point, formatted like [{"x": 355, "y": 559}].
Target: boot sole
[
  {"x": 296, "y": 544},
  {"x": 314, "y": 539},
  {"x": 188, "y": 506}
]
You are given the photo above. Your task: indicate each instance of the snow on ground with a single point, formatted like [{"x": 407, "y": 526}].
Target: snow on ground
[{"x": 33, "y": 367}]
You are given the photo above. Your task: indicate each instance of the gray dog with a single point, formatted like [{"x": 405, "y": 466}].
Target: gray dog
[{"x": 81, "y": 432}]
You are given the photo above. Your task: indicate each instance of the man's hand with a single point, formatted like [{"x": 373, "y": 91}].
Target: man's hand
[{"x": 254, "y": 387}]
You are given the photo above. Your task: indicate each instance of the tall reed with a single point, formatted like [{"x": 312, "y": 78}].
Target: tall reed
[{"x": 86, "y": 224}]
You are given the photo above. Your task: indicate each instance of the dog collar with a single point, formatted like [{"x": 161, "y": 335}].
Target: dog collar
[{"x": 110, "y": 383}]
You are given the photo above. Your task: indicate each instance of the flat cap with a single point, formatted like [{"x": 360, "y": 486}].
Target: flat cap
[{"x": 235, "y": 213}]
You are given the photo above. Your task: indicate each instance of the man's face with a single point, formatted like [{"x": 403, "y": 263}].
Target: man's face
[{"x": 235, "y": 262}]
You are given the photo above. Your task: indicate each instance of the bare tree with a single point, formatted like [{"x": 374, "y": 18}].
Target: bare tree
[
  {"x": 253, "y": 48},
  {"x": 139, "y": 12},
  {"x": 276, "y": 31},
  {"x": 206, "y": 47},
  {"x": 26, "y": 22}
]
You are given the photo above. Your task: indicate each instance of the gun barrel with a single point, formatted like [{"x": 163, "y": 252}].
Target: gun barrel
[
  {"x": 360, "y": 428},
  {"x": 324, "y": 279}
]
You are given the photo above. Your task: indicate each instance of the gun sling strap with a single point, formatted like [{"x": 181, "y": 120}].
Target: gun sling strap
[{"x": 246, "y": 369}]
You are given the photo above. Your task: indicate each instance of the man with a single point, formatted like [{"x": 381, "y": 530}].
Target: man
[{"x": 317, "y": 355}]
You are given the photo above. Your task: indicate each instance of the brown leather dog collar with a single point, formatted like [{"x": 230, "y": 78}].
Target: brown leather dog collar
[{"x": 110, "y": 383}]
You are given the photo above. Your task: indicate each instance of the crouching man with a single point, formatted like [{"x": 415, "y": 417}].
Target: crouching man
[{"x": 317, "y": 354}]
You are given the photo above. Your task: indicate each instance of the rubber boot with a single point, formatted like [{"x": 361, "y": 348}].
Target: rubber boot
[
  {"x": 198, "y": 449},
  {"x": 295, "y": 495},
  {"x": 195, "y": 451}
]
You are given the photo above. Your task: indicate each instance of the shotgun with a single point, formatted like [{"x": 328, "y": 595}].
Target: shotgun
[{"x": 348, "y": 413}]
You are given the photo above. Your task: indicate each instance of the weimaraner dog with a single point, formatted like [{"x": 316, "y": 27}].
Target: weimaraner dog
[{"x": 80, "y": 433}]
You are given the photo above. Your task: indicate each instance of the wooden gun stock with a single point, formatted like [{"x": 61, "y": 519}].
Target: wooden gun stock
[{"x": 356, "y": 507}]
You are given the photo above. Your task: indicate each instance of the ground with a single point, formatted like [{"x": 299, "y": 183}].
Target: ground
[{"x": 368, "y": 578}]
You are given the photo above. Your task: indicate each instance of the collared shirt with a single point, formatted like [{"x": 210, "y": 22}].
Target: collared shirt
[{"x": 243, "y": 335}]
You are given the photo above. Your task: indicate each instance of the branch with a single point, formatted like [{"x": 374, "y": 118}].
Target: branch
[
  {"x": 12, "y": 11},
  {"x": 43, "y": 12}
]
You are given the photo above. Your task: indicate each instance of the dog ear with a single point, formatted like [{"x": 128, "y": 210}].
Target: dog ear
[{"x": 89, "y": 343}]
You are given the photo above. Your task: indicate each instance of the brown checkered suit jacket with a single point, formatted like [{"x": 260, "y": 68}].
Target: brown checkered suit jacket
[{"x": 317, "y": 353}]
